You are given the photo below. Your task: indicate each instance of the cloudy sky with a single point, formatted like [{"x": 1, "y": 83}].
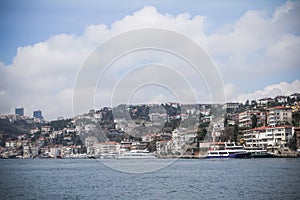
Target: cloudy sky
[{"x": 254, "y": 45}]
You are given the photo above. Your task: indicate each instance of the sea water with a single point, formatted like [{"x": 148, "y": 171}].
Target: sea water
[{"x": 179, "y": 179}]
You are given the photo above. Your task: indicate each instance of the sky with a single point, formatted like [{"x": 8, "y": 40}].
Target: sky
[{"x": 44, "y": 45}]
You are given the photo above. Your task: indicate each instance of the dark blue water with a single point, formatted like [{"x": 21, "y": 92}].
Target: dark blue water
[{"x": 184, "y": 179}]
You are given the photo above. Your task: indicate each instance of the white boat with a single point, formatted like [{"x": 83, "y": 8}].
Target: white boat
[
  {"x": 137, "y": 154},
  {"x": 104, "y": 156},
  {"x": 261, "y": 154},
  {"x": 227, "y": 150}
]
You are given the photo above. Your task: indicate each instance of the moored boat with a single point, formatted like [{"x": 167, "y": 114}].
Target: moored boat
[
  {"x": 137, "y": 154},
  {"x": 227, "y": 150},
  {"x": 260, "y": 154}
]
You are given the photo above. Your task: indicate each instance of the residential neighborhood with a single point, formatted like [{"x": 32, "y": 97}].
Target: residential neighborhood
[{"x": 166, "y": 130}]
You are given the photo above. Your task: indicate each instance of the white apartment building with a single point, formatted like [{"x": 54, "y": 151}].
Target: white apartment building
[
  {"x": 181, "y": 139},
  {"x": 230, "y": 105},
  {"x": 279, "y": 115},
  {"x": 245, "y": 118},
  {"x": 107, "y": 148},
  {"x": 267, "y": 136}
]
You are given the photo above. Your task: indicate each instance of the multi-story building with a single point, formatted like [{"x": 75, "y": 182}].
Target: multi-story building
[
  {"x": 245, "y": 118},
  {"x": 266, "y": 100},
  {"x": 267, "y": 136},
  {"x": 162, "y": 147},
  {"x": 279, "y": 115},
  {"x": 107, "y": 148},
  {"x": 89, "y": 142},
  {"x": 181, "y": 139},
  {"x": 281, "y": 99},
  {"x": 19, "y": 111},
  {"x": 232, "y": 118},
  {"x": 230, "y": 107},
  {"x": 38, "y": 114}
]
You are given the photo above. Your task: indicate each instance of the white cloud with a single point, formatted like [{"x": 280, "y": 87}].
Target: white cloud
[
  {"x": 282, "y": 88},
  {"x": 281, "y": 11},
  {"x": 260, "y": 47},
  {"x": 284, "y": 53}
]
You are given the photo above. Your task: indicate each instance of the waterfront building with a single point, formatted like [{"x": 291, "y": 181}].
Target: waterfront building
[
  {"x": 26, "y": 152},
  {"x": 162, "y": 147},
  {"x": 107, "y": 148},
  {"x": 267, "y": 136},
  {"x": 181, "y": 140},
  {"x": 34, "y": 151},
  {"x": 19, "y": 111},
  {"x": 89, "y": 142},
  {"x": 139, "y": 145},
  {"x": 55, "y": 151},
  {"x": 126, "y": 145}
]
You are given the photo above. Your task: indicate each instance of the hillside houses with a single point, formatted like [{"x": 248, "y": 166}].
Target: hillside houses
[{"x": 169, "y": 129}]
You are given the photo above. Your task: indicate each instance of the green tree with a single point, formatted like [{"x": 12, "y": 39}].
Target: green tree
[
  {"x": 201, "y": 134},
  {"x": 246, "y": 103},
  {"x": 292, "y": 144},
  {"x": 204, "y": 125},
  {"x": 253, "y": 103},
  {"x": 229, "y": 134},
  {"x": 296, "y": 119},
  {"x": 254, "y": 121},
  {"x": 60, "y": 124},
  {"x": 169, "y": 126},
  {"x": 152, "y": 146}
]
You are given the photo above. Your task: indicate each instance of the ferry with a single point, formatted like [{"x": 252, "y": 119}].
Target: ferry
[
  {"x": 227, "y": 150},
  {"x": 137, "y": 154}
]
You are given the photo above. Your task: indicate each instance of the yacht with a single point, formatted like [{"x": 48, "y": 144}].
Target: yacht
[
  {"x": 136, "y": 154},
  {"x": 227, "y": 150}
]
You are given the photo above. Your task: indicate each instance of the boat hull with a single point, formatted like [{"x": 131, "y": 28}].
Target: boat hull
[
  {"x": 262, "y": 155},
  {"x": 238, "y": 155},
  {"x": 136, "y": 156}
]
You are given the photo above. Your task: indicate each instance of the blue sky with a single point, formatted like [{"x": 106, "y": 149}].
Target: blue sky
[
  {"x": 28, "y": 22},
  {"x": 254, "y": 44}
]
